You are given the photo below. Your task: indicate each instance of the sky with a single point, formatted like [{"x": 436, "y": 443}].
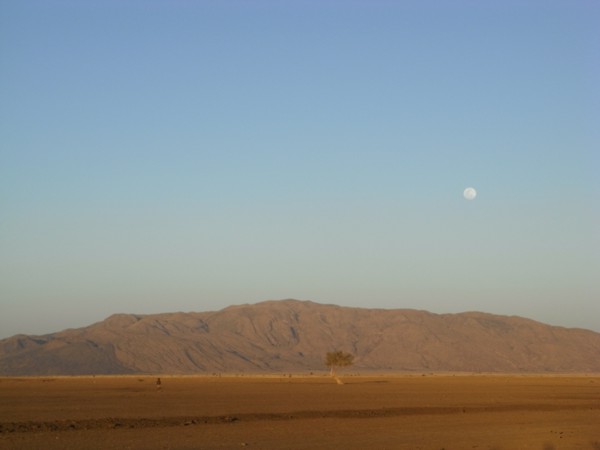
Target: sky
[{"x": 161, "y": 156}]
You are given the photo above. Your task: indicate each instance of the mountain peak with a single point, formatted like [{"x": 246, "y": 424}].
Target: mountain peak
[{"x": 294, "y": 335}]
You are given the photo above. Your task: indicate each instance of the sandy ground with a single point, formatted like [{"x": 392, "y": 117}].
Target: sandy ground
[{"x": 301, "y": 412}]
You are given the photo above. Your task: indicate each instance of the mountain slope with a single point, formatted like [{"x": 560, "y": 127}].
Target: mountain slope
[{"x": 291, "y": 335}]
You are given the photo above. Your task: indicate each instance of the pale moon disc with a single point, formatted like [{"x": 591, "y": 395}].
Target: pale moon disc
[{"x": 470, "y": 193}]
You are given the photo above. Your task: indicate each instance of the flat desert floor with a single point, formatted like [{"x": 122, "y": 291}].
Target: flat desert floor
[{"x": 301, "y": 412}]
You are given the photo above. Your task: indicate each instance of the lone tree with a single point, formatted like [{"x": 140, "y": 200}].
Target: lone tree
[{"x": 337, "y": 359}]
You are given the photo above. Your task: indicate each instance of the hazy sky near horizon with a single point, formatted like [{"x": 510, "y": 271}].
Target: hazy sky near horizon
[{"x": 161, "y": 156}]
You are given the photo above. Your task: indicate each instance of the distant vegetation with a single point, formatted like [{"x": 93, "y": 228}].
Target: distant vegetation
[{"x": 336, "y": 359}]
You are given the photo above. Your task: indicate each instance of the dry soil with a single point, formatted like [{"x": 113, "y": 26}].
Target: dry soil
[{"x": 301, "y": 412}]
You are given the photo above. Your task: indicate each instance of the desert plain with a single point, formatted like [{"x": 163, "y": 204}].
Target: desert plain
[{"x": 301, "y": 411}]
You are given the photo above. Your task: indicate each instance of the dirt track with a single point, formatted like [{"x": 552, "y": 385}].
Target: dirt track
[{"x": 301, "y": 412}]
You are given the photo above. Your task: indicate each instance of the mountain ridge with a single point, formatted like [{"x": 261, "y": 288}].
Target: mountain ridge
[{"x": 293, "y": 335}]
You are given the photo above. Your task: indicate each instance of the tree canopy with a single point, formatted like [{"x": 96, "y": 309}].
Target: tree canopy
[{"x": 338, "y": 358}]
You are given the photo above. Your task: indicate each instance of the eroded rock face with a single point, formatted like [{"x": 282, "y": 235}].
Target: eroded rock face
[{"x": 291, "y": 335}]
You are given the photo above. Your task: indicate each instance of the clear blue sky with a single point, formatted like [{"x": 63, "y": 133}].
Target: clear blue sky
[{"x": 161, "y": 156}]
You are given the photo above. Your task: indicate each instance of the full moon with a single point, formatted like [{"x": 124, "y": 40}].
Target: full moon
[{"x": 470, "y": 193}]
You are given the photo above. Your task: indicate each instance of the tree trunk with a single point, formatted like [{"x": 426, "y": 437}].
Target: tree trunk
[{"x": 334, "y": 376}]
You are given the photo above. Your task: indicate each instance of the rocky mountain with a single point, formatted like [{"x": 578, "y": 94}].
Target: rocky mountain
[{"x": 291, "y": 335}]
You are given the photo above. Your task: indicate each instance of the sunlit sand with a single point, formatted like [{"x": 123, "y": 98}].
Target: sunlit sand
[{"x": 302, "y": 411}]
